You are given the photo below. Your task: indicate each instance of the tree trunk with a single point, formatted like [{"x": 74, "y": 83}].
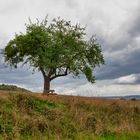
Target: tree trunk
[{"x": 46, "y": 84}]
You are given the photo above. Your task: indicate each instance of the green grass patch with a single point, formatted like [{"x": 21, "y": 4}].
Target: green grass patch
[
  {"x": 32, "y": 103},
  {"x": 28, "y": 117}
]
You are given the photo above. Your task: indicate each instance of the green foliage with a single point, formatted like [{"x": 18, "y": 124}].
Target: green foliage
[{"x": 56, "y": 49}]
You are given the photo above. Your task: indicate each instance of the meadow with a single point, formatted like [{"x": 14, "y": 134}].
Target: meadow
[{"x": 31, "y": 116}]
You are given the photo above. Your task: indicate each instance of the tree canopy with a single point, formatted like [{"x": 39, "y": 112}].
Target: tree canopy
[{"x": 56, "y": 49}]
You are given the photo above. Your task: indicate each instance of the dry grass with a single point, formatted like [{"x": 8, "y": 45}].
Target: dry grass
[
  {"x": 61, "y": 117},
  {"x": 91, "y": 100}
]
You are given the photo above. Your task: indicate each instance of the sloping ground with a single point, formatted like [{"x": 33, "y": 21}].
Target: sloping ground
[
  {"x": 4, "y": 87},
  {"x": 26, "y": 116}
]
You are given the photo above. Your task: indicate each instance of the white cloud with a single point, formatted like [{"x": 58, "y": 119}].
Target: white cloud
[
  {"x": 129, "y": 79},
  {"x": 104, "y": 89}
]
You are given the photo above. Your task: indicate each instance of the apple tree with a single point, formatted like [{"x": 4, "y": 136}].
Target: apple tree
[{"x": 55, "y": 49}]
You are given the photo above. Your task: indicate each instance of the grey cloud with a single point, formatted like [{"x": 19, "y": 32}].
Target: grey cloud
[
  {"x": 8, "y": 7},
  {"x": 118, "y": 38},
  {"x": 22, "y": 76},
  {"x": 134, "y": 31},
  {"x": 122, "y": 56},
  {"x": 117, "y": 67},
  {"x": 138, "y": 79},
  {"x": 71, "y": 3}
]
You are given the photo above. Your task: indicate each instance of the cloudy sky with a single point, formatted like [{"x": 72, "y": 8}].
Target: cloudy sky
[{"x": 116, "y": 24}]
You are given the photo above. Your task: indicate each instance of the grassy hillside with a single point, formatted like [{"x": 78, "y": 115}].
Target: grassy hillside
[
  {"x": 4, "y": 87},
  {"x": 35, "y": 117}
]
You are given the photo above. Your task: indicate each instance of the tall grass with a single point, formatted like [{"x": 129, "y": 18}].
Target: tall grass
[{"x": 35, "y": 117}]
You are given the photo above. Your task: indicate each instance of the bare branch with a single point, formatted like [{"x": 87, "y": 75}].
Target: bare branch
[{"x": 60, "y": 75}]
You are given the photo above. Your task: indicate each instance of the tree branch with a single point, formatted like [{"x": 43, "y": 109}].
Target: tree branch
[
  {"x": 59, "y": 75},
  {"x": 43, "y": 72}
]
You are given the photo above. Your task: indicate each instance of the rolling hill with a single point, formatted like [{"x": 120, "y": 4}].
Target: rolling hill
[{"x": 30, "y": 116}]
